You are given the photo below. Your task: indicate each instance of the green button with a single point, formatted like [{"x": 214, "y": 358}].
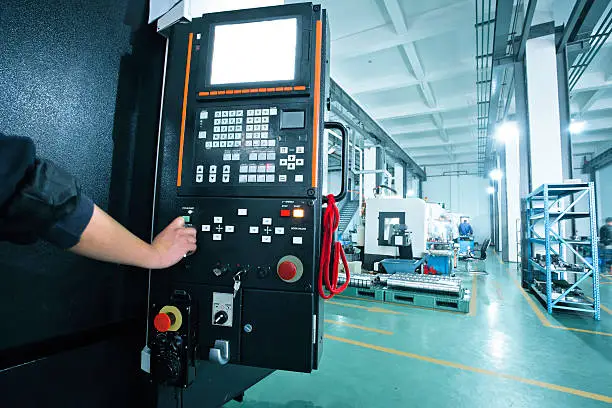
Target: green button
[{"x": 187, "y": 218}]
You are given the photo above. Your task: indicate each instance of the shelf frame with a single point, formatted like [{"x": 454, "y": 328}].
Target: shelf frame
[{"x": 548, "y": 206}]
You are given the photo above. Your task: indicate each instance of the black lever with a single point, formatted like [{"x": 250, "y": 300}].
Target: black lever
[{"x": 344, "y": 132}]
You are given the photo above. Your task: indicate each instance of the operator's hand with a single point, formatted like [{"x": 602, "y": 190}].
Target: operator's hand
[{"x": 173, "y": 243}]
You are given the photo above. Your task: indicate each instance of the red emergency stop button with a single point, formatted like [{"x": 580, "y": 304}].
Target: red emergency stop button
[
  {"x": 287, "y": 271},
  {"x": 285, "y": 213},
  {"x": 162, "y": 322}
]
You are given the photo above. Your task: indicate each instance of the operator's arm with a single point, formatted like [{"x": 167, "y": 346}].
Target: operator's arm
[
  {"x": 40, "y": 200},
  {"x": 107, "y": 240}
]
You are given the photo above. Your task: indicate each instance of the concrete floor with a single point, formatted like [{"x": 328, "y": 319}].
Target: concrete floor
[{"x": 507, "y": 352}]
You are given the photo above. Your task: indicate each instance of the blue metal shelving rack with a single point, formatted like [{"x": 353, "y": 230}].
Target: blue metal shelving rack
[{"x": 546, "y": 207}]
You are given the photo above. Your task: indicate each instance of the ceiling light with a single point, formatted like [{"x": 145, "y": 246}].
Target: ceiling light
[
  {"x": 490, "y": 190},
  {"x": 496, "y": 174},
  {"x": 577, "y": 126},
  {"x": 506, "y": 132}
]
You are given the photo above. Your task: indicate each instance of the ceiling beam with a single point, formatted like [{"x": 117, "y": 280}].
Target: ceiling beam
[
  {"x": 413, "y": 62},
  {"x": 419, "y": 109},
  {"x": 391, "y": 82},
  {"x": 426, "y": 25}
]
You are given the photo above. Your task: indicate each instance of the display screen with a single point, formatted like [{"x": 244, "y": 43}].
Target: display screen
[{"x": 261, "y": 51}]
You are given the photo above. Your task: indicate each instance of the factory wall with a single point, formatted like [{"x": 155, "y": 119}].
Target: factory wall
[
  {"x": 465, "y": 195},
  {"x": 84, "y": 83},
  {"x": 604, "y": 194}
]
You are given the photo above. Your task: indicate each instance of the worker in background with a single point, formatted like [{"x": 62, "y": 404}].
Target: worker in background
[
  {"x": 605, "y": 241},
  {"x": 40, "y": 200},
  {"x": 465, "y": 229}
]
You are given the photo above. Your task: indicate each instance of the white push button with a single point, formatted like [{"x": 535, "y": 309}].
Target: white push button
[
  {"x": 212, "y": 169},
  {"x": 226, "y": 169},
  {"x": 200, "y": 169},
  {"x": 252, "y": 156},
  {"x": 218, "y": 220},
  {"x": 266, "y": 221},
  {"x": 299, "y": 178},
  {"x": 266, "y": 239},
  {"x": 291, "y": 157},
  {"x": 216, "y": 237},
  {"x": 261, "y": 156},
  {"x": 297, "y": 240},
  {"x": 252, "y": 168},
  {"x": 244, "y": 168},
  {"x": 272, "y": 143},
  {"x": 223, "y": 143},
  {"x": 279, "y": 230},
  {"x": 252, "y": 178},
  {"x": 282, "y": 178},
  {"x": 199, "y": 178},
  {"x": 216, "y": 144},
  {"x": 242, "y": 178},
  {"x": 226, "y": 156},
  {"x": 291, "y": 166},
  {"x": 270, "y": 178},
  {"x": 224, "y": 114},
  {"x": 203, "y": 114},
  {"x": 284, "y": 150},
  {"x": 202, "y": 134},
  {"x": 212, "y": 178},
  {"x": 242, "y": 211},
  {"x": 206, "y": 228},
  {"x": 299, "y": 162},
  {"x": 236, "y": 156},
  {"x": 299, "y": 149},
  {"x": 273, "y": 111},
  {"x": 225, "y": 178},
  {"x": 257, "y": 112},
  {"x": 283, "y": 162},
  {"x": 253, "y": 230},
  {"x": 265, "y": 112},
  {"x": 217, "y": 114},
  {"x": 229, "y": 228},
  {"x": 261, "y": 178},
  {"x": 250, "y": 112},
  {"x": 208, "y": 145}
]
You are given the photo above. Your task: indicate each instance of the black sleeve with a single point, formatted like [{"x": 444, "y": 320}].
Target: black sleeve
[{"x": 37, "y": 198}]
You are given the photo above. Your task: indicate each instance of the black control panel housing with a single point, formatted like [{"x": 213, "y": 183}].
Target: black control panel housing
[{"x": 242, "y": 164}]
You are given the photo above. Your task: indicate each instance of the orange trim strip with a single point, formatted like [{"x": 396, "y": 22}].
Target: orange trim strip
[
  {"x": 258, "y": 90},
  {"x": 317, "y": 103},
  {"x": 184, "y": 116}
]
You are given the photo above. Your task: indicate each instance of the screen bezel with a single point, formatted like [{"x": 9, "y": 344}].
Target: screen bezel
[
  {"x": 303, "y": 64},
  {"x": 240, "y": 84}
]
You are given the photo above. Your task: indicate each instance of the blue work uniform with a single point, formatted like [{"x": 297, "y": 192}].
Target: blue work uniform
[
  {"x": 465, "y": 229},
  {"x": 38, "y": 200}
]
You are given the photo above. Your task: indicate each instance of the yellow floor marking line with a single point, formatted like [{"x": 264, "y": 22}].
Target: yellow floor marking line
[
  {"x": 604, "y": 308},
  {"x": 582, "y": 330},
  {"x": 369, "y": 309},
  {"x": 355, "y": 326},
  {"x": 542, "y": 317},
  {"x": 541, "y": 384},
  {"x": 473, "y": 306}
]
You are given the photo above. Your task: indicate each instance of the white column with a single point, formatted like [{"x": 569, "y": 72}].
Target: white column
[
  {"x": 369, "y": 180},
  {"x": 399, "y": 180},
  {"x": 512, "y": 180},
  {"x": 543, "y": 104}
]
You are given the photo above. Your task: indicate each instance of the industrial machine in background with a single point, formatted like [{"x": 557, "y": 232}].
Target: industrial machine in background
[{"x": 240, "y": 158}]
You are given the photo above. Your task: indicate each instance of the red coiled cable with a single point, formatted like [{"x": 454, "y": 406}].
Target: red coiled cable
[{"x": 331, "y": 219}]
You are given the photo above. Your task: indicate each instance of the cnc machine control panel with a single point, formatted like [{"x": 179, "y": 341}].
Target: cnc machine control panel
[{"x": 240, "y": 159}]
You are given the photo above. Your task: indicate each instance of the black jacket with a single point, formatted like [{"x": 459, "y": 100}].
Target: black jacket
[
  {"x": 605, "y": 235},
  {"x": 37, "y": 198}
]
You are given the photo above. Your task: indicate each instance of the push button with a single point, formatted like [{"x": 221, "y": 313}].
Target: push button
[
  {"x": 287, "y": 271},
  {"x": 285, "y": 213},
  {"x": 162, "y": 322}
]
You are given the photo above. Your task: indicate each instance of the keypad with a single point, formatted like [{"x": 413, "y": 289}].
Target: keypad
[{"x": 250, "y": 149}]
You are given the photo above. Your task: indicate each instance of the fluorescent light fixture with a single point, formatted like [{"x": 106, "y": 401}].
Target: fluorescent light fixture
[
  {"x": 410, "y": 193},
  {"x": 331, "y": 150},
  {"x": 576, "y": 127},
  {"x": 506, "y": 132},
  {"x": 496, "y": 174},
  {"x": 491, "y": 190},
  {"x": 262, "y": 51}
]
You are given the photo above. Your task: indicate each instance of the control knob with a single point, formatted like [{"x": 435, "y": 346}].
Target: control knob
[{"x": 221, "y": 317}]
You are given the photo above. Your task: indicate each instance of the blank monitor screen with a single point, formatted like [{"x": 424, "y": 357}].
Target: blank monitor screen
[{"x": 261, "y": 51}]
